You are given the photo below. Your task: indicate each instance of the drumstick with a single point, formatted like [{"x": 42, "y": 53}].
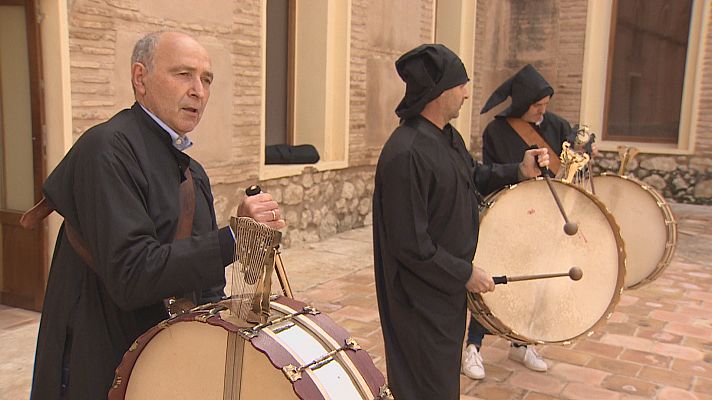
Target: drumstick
[
  {"x": 569, "y": 227},
  {"x": 575, "y": 273}
]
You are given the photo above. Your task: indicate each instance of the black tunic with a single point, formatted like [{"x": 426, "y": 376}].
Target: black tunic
[
  {"x": 502, "y": 144},
  {"x": 118, "y": 187},
  {"x": 425, "y": 225}
]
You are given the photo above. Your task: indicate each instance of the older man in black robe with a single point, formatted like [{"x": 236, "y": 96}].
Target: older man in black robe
[
  {"x": 117, "y": 256},
  {"x": 425, "y": 226}
]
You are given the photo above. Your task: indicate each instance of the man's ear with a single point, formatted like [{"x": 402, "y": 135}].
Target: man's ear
[{"x": 138, "y": 74}]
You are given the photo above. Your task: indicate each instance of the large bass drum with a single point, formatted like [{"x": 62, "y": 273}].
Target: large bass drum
[
  {"x": 298, "y": 354},
  {"x": 647, "y": 225},
  {"x": 521, "y": 233}
]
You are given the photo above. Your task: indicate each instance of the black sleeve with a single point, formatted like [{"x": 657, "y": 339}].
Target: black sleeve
[
  {"x": 108, "y": 208},
  {"x": 405, "y": 221}
]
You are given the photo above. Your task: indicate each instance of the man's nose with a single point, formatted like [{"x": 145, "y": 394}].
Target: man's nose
[{"x": 198, "y": 89}]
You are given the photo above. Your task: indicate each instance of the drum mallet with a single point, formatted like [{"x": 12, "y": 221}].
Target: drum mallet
[
  {"x": 575, "y": 273},
  {"x": 569, "y": 227}
]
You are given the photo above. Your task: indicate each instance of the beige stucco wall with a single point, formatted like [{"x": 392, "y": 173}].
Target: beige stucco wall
[{"x": 228, "y": 139}]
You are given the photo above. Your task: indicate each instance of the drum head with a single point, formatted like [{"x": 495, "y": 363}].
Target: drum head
[
  {"x": 647, "y": 225},
  {"x": 521, "y": 233}
]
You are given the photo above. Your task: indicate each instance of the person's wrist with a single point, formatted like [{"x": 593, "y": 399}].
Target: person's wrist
[{"x": 520, "y": 172}]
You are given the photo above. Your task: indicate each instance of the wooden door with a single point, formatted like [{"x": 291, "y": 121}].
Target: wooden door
[{"x": 23, "y": 253}]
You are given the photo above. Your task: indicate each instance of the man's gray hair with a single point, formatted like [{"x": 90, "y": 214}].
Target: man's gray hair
[{"x": 145, "y": 49}]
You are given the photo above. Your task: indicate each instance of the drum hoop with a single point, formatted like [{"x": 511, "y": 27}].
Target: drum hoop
[
  {"x": 670, "y": 227},
  {"x": 358, "y": 360},
  {"x": 333, "y": 336},
  {"x": 484, "y": 310}
]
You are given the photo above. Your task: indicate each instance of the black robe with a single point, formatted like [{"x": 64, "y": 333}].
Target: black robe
[
  {"x": 502, "y": 144},
  {"x": 118, "y": 187},
  {"x": 425, "y": 226}
]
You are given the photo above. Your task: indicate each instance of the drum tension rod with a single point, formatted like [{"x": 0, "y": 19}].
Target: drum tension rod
[
  {"x": 295, "y": 373},
  {"x": 249, "y": 333}
]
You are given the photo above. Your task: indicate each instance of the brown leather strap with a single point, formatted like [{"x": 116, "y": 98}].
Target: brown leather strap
[
  {"x": 531, "y": 137},
  {"x": 187, "y": 207},
  {"x": 78, "y": 244},
  {"x": 40, "y": 211},
  {"x": 184, "y": 229},
  {"x": 36, "y": 214}
]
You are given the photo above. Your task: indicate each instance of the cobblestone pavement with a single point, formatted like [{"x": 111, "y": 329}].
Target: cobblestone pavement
[{"x": 656, "y": 345}]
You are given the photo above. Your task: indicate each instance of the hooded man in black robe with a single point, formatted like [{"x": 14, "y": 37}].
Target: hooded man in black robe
[
  {"x": 501, "y": 143},
  {"x": 530, "y": 94},
  {"x": 425, "y": 226},
  {"x": 118, "y": 190},
  {"x": 504, "y": 140}
]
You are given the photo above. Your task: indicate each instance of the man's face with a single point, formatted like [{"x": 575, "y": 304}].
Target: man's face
[
  {"x": 176, "y": 87},
  {"x": 453, "y": 99},
  {"x": 536, "y": 111}
]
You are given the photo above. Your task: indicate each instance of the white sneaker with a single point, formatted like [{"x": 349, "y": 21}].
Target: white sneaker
[
  {"x": 529, "y": 357},
  {"x": 472, "y": 363}
]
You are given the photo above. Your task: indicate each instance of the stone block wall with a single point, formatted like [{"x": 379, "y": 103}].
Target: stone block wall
[
  {"x": 681, "y": 179},
  {"x": 315, "y": 204}
]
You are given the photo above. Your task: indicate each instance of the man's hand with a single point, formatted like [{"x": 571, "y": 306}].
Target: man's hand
[
  {"x": 262, "y": 208},
  {"x": 529, "y": 168},
  {"x": 480, "y": 281}
]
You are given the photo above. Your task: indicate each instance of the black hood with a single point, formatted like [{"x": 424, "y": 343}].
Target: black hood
[
  {"x": 428, "y": 71},
  {"x": 525, "y": 88}
]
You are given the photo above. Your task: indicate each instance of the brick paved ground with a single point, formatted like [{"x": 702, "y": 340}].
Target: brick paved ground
[{"x": 657, "y": 344}]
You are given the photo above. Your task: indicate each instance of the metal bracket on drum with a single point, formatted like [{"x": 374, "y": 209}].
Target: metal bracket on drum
[
  {"x": 249, "y": 333},
  {"x": 384, "y": 393},
  {"x": 486, "y": 204},
  {"x": 295, "y": 373},
  {"x": 207, "y": 311}
]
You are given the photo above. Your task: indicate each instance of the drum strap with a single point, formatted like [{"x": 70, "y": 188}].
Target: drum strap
[
  {"x": 531, "y": 136},
  {"x": 184, "y": 228}
]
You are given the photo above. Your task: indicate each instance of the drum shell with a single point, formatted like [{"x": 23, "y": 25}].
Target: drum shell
[
  {"x": 193, "y": 356},
  {"x": 647, "y": 225},
  {"x": 521, "y": 233}
]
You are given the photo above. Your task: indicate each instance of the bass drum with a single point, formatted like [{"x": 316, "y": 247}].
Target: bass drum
[
  {"x": 206, "y": 354},
  {"x": 647, "y": 225},
  {"x": 521, "y": 233}
]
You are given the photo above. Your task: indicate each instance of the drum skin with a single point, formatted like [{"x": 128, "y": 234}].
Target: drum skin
[
  {"x": 521, "y": 233},
  {"x": 647, "y": 225},
  {"x": 193, "y": 356}
]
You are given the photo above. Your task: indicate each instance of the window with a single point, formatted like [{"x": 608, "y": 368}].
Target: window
[
  {"x": 278, "y": 83},
  {"x": 646, "y": 71},
  {"x": 306, "y": 95},
  {"x": 631, "y": 93}
]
